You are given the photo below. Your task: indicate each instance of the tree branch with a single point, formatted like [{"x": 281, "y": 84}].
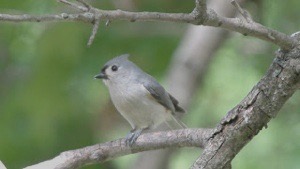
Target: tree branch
[
  {"x": 113, "y": 149},
  {"x": 262, "y": 104},
  {"x": 199, "y": 16},
  {"x": 94, "y": 32},
  {"x": 243, "y": 12},
  {"x": 74, "y": 5},
  {"x": 85, "y": 17},
  {"x": 2, "y": 166}
]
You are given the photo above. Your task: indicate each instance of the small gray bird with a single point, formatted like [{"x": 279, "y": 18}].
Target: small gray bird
[{"x": 140, "y": 99}]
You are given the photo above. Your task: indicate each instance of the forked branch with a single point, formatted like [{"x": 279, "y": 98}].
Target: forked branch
[{"x": 201, "y": 15}]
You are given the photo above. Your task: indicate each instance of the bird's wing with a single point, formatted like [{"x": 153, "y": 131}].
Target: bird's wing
[
  {"x": 161, "y": 96},
  {"x": 175, "y": 103}
]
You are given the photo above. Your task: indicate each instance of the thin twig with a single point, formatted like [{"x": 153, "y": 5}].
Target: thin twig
[
  {"x": 85, "y": 17},
  {"x": 96, "y": 23},
  {"x": 107, "y": 23},
  {"x": 200, "y": 5},
  {"x": 242, "y": 11},
  {"x": 88, "y": 6},
  {"x": 94, "y": 32},
  {"x": 74, "y": 5}
]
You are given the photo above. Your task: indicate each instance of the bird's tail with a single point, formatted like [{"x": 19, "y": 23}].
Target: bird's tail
[{"x": 174, "y": 124}]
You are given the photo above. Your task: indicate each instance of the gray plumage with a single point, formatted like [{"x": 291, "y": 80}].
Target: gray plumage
[{"x": 140, "y": 99}]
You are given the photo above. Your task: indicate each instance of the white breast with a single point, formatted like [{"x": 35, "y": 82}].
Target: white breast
[{"x": 137, "y": 106}]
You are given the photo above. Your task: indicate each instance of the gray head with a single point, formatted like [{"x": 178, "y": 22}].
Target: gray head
[{"x": 117, "y": 69}]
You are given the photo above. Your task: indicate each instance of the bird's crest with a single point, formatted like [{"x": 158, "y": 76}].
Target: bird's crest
[
  {"x": 123, "y": 57},
  {"x": 118, "y": 60}
]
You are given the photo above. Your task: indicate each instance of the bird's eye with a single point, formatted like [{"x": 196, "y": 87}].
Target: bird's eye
[{"x": 114, "y": 68}]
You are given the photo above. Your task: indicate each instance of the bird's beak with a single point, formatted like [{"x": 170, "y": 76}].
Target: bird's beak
[{"x": 101, "y": 76}]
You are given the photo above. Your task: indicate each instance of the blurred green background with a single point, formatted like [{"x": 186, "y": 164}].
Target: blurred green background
[{"x": 49, "y": 101}]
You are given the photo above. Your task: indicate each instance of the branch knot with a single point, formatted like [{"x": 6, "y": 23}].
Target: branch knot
[{"x": 199, "y": 13}]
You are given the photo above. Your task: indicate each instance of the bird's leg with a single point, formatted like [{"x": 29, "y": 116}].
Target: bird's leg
[
  {"x": 130, "y": 135},
  {"x": 133, "y": 135}
]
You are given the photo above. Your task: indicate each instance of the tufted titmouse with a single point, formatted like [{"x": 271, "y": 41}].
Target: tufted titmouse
[{"x": 140, "y": 99}]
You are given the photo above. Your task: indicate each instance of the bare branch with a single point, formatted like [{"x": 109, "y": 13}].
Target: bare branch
[
  {"x": 256, "y": 30},
  {"x": 200, "y": 5},
  {"x": 113, "y": 149},
  {"x": 74, "y": 5},
  {"x": 85, "y": 17},
  {"x": 94, "y": 32},
  {"x": 243, "y": 12},
  {"x": 199, "y": 16},
  {"x": 88, "y": 6}
]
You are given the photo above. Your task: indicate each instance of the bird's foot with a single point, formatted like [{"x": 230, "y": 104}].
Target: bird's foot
[{"x": 132, "y": 136}]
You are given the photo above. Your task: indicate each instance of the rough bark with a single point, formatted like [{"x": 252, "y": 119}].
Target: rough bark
[
  {"x": 253, "y": 113},
  {"x": 113, "y": 149}
]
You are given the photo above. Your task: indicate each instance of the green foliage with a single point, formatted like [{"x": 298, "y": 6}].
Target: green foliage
[{"x": 49, "y": 101}]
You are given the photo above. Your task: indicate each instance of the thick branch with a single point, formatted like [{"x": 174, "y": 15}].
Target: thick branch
[
  {"x": 254, "y": 29},
  {"x": 199, "y": 16},
  {"x": 244, "y": 121},
  {"x": 2, "y": 166},
  {"x": 113, "y": 149}
]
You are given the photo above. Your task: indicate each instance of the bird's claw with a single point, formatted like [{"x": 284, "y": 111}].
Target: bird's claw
[
  {"x": 128, "y": 138},
  {"x": 132, "y": 136}
]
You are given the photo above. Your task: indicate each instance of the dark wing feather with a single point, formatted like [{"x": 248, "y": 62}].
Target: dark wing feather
[
  {"x": 175, "y": 103},
  {"x": 160, "y": 95},
  {"x": 163, "y": 97}
]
